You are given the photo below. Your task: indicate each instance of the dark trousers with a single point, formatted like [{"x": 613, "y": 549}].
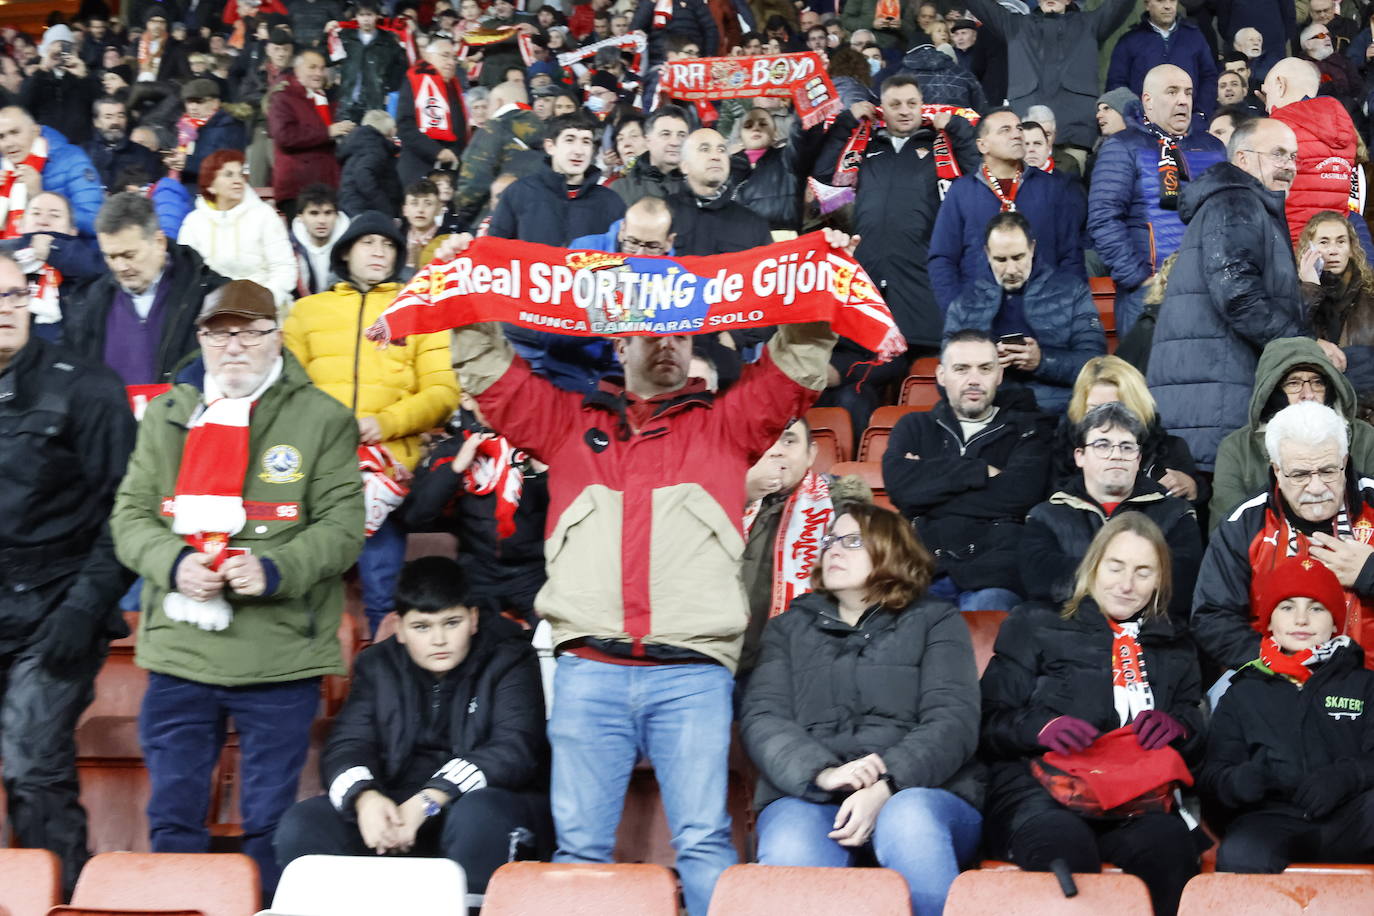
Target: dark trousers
[
  {"x": 1156, "y": 848},
  {"x": 182, "y": 730},
  {"x": 384, "y": 553},
  {"x": 38, "y": 713},
  {"x": 473, "y": 831},
  {"x": 1268, "y": 841}
]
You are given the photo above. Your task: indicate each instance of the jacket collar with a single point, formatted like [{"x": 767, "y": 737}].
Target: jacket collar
[{"x": 1075, "y": 495}]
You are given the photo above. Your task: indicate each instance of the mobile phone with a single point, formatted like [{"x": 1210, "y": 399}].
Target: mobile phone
[{"x": 1012, "y": 340}]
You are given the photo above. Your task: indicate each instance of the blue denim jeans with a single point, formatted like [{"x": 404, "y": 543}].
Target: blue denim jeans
[
  {"x": 678, "y": 716},
  {"x": 924, "y": 835},
  {"x": 981, "y": 599},
  {"x": 182, "y": 728},
  {"x": 378, "y": 566}
]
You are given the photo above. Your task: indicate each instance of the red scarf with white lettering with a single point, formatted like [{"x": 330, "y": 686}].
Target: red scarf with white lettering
[
  {"x": 805, "y": 517},
  {"x": 14, "y": 193},
  {"x": 433, "y": 114},
  {"x": 663, "y": 13}
]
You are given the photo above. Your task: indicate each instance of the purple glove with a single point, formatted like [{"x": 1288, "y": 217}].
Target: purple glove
[
  {"x": 1155, "y": 728},
  {"x": 1067, "y": 735}
]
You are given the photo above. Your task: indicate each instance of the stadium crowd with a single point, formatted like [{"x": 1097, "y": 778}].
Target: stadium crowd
[{"x": 207, "y": 205}]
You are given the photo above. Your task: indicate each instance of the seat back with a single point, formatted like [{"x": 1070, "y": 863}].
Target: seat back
[
  {"x": 920, "y": 393},
  {"x": 880, "y": 425},
  {"x": 982, "y": 629},
  {"x": 368, "y": 885},
  {"x": 1104, "y": 297},
  {"x": 216, "y": 884},
  {"x": 773, "y": 890},
  {"x": 521, "y": 888},
  {"x": 871, "y": 473},
  {"x": 30, "y": 882},
  {"x": 1023, "y": 893},
  {"x": 1286, "y": 894},
  {"x": 924, "y": 368},
  {"x": 827, "y": 450},
  {"x": 836, "y": 421}
]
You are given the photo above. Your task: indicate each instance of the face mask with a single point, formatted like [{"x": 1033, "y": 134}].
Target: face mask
[
  {"x": 874, "y": 65},
  {"x": 595, "y": 104}
]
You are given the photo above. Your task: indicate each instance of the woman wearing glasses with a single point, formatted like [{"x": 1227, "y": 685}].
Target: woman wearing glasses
[
  {"x": 862, "y": 716},
  {"x": 1062, "y": 676},
  {"x": 767, "y": 171}
]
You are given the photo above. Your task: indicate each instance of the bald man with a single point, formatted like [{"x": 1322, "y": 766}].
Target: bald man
[
  {"x": 1163, "y": 36},
  {"x": 707, "y": 220},
  {"x": 45, "y": 161},
  {"x": 1137, "y": 182},
  {"x": 1327, "y": 144}
]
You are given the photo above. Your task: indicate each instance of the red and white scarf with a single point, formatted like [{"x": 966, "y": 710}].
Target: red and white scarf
[
  {"x": 1048, "y": 164},
  {"x": 433, "y": 114},
  {"x": 381, "y": 491},
  {"x": 401, "y": 27},
  {"x": 321, "y": 103},
  {"x": 805, "y": 517},
  {"x": 663, "y": 13},
  {"x": 946, "y": 165},
  {"x": 1298, "y": 666},
  {"x": 1006, "y": 197},
  {"x": 44, "y": 281},
  {"x": 1131, "y": 691},
  {"x": 14, "y": 194},
  {"x": 208, "y": 507},
  {"x": 493, "y": 470}
]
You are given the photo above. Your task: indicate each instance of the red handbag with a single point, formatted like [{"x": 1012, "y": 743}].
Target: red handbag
[{"x": 1114, "y": 778}]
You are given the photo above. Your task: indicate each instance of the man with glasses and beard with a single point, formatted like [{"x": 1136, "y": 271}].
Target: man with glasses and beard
[
  {"x": 1318, "y": 507},
  {"x": 241, "y": 510}
]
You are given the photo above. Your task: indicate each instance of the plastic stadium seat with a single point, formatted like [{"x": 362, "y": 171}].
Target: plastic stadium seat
[
  {"x": 30, "y": 882},
  {"x": 922, "y": 394},
  {"x": 1104, "y": 297},
  {"x": 924, "y": 368},
  {"x": 1024, "y": 893},
  {"x": 880, "y": 425},
  {"x": 837, "y": 421},
  {"x": 771, "y": 890},
  {"x": 827, "y": 450},
  {"x": 371, "y": 885},
  {"x": 523, "y": 888},
  {"x": 387, "y": 628},
  {"x": 214, "y": 884},
  {"x": 982, "y": 629},
  {"x": 1278, "y": 895},
  {"x": 871, "y": 473}
]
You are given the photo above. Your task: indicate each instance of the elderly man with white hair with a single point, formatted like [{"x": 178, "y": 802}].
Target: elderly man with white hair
[
  {"x": 1317, "y": 508},
  {"x": 35, "y": 159}
]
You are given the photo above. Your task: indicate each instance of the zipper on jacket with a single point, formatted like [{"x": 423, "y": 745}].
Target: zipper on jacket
[
  {"x": 963, "y": 446},
  {"x": 358, "y": 350}
]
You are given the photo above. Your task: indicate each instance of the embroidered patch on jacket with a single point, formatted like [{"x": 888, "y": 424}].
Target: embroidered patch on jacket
[{"x": 281, "y": 464}]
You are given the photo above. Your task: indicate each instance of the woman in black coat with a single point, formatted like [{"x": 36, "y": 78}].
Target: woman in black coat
[
  {"x": 862, "y": 716},
  {"x": 1338, "y": 290},
  {"x": 770, "y": 181},
  {"x": 1057, "y": 681}
]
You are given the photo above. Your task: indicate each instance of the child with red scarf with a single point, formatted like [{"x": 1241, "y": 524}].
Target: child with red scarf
[{"x": 1291, "y": 747}]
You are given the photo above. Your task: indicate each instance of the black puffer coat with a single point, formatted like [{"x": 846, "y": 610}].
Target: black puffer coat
[
  {"x": 902, "y": 685},
  {"x": 771, "y": 187},
  {"x": 369, "y": 180},
  {"x": 1233, "y": 289},
  {"x": 1044, "y": 667},
  {"x": 942, "y": 80}
]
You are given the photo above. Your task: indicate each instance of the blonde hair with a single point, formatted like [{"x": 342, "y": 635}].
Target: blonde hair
[
  {"x": 1129, "y": 383},
  {"x": 1134, "y": 523},
  {"x": 1358, "y": 261}
]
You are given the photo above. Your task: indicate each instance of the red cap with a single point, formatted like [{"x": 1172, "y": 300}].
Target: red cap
[{"x": 1298, "y": 577}]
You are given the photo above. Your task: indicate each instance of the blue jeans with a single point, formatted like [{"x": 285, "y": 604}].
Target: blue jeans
[
  {"x": 678, "y": 716},
  {"x": 924, "y": 835},
  {"x": 981, "y": 599},
  {"x": 378, "y": 566},
  {"x": 182, "y": 729}
]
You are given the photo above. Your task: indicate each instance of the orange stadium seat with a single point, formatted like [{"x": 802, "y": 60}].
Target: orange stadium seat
[
  {"x": 836, "y": 422},
  {"x": 772, "y": 890},
  {"x": 982, "y": 629},
  {"x": 1024, "y": 893},
  {"x": 1287, "y": 894},
  {"x": 30, "y": 882},
  {"x": 880, "y": 425},
  {"x": 1104, "y": 297},
  {"x": 921, "y": 394},
  {"x": 871, "y": 473},
  {"x": 521, "y": 888},
  {"x": 212, "y": 884}
]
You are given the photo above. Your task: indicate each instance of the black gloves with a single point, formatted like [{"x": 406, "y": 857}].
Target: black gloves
[{"x": 67, "y": 636}]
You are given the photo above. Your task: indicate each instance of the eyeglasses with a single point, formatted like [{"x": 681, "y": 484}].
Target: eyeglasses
[
  {"x": 1295, "y": 385},
  {"x": 1102, "y": 448},
  {"x": 632, "y": 245},
  {"x": 17, "y": 298},
  {"x": 247, "y": 337},
  {"x": 1276, "y": 155},
  {"x": 847, "y": 541},
  {"x": 1325, "y": 475}
]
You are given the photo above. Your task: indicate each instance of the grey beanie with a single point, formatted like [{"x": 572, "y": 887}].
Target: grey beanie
[{"x": 1118, "y": 99}]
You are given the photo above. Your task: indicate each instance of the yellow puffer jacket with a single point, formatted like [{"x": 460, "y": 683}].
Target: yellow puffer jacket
[{"x": 409, "y": 388}]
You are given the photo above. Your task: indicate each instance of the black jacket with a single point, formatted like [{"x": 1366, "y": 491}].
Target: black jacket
[
  {"x": 644, "y": 179},
  {"x": 690, "y": 17},
  {"x": 902, "y": 685},
  {"x": 897, "y": 200},
  {"x": 89, "y": 309},
  {"x": 537, "y": 209},
  {"x": 109, "y": 161},
  {"x": 1044, "y": 667},
  {"x": 497, "y": 722},
  {"x": 1159, "y": 454},
  {"x": 771, "y": 187},
  {"x": 1059, "y": 531},
  {"x": 1292, "y": 732},
  {"x": 418, "y": 151},
  {"x": 61, "y": 102},
  {"x": 717, "y": 226},
  {"x": 972, "y": 522},
  {"x": 368, "y": 179},
  {"x": 222, "y": 131},
  {"x": 65, "y": 436}
]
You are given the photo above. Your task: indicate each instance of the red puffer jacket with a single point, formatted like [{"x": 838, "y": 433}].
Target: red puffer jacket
[{"x": 1326, "y": 153}]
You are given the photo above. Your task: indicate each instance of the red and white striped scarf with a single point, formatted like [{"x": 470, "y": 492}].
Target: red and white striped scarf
[
  {"x": 381, "y": 491},
  {"x": 805, "y": 517},
  {"x": 663, "y": 13},
  {"x": 14, "y": 194},
  {"x": 321, "y": 103},
  {"x": 208, "y": 507},
  {"x": 493, "y": 470},
  {"x": 1131, "y": 693}
]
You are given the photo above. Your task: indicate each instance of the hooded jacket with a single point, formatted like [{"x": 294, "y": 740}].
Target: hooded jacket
[
  {"x": 511, "y": 142},
  {"x": 1242, "y": 461},
  {"x": 409, "y": 388},
  {"x": 1233, "y": 289},
  {"x": 316, "y": 262},
  {"x": 368, "y": 179},
  {"x": 1130, "y": 229},
  {"x": 900, "y": 683},
  {"x": 943, "y": 81},
  {"x": 1141, "y": 48},
  {"x": 311, "y": 529},
  {"x": 1326, "y": 157},
  {"x": 1060, "y": 530},
  {"x": 70, "y": 173},
  {"x": 247, "y": 242}
]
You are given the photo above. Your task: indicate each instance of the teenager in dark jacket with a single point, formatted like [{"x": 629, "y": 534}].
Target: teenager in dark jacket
[
  {"x": 967, "y": 471},
  {"x": 439, "y": 749},
  {"x": 862, "y": 716},
  {"x": 1108, "y": 483},
  {"x": 1061, "y": 677},
  {"x": 1290, "y": 749},
  {"x": 368, "y": 178}
]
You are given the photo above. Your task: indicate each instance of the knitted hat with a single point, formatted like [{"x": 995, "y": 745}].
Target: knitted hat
[
  {"x": 1118, "y": 99},
  {"x": 1298, "y": 577}
]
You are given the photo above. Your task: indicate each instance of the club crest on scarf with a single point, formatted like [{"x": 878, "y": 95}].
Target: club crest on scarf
[{"x": 281, "y": 464}]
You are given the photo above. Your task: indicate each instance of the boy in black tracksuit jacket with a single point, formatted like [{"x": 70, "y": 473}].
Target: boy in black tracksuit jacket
[
  {"x": 1291, "y": 746},
  {"x": 439, "y": 749}
]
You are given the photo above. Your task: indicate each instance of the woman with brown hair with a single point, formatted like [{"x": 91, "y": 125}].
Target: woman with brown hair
[
  {"x": 1110, "y": 660},
  {"x": 1338, "y": 289},
  {"x": 862, "y": 715}
]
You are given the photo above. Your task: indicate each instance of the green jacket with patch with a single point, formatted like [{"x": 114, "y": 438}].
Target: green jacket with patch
[{"x": 303, "y": 496}]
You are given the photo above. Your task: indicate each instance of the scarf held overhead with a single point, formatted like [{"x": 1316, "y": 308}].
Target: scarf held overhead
[
  {"x": 599, "y": 294},
  {"x": 801, "y": 77}
]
